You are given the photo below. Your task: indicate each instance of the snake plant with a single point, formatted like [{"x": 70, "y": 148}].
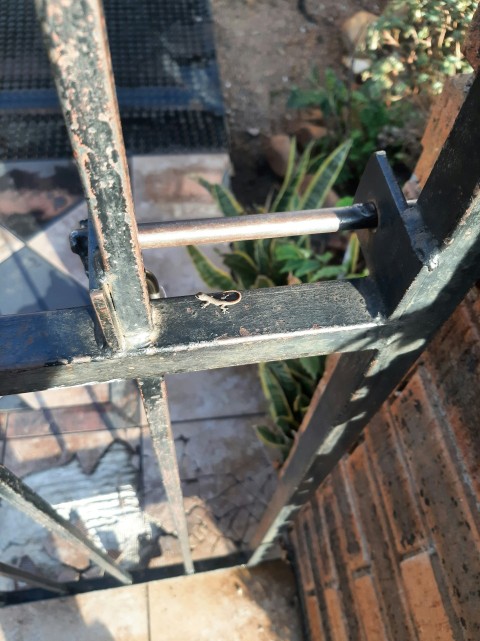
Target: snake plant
[{"x": 288, "y": 385}]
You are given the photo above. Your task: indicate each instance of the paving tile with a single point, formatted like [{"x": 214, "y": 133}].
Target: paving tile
[
  {"x": 53, "y": 244},
  {"x": 62, "y": 420},
  {"x": 3, "y": 426},
  {"x": 102, "y": 500},
  {"x": 227, "y": 480},
  {"x": 119, "y": 614},
  {"x": 27, "y": 455},
  {"x": 233, "y": 604},
  {"x": 165, "y": 187},
  {"x": 8, "y": 244},
  {"x": 232, "y": 391},
  {"x": 31, "y": 284},
  {"x": 68, "y": 396},
  {"x": 34, "y": 193}
]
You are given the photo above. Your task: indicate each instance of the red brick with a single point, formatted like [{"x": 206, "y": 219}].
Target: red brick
[
  {"x": 445, "y": 499},
  {"x": 425, "y": 600},
  {"x": 337, "y": 622},
  {"x": 313, "y": 537},
  {"x": 336, "y": 534},
  {"x": 301, "y": 554},
  {"x": 453, "y": 363},
  {"x": 324, "y": 554},
  {"x": 384, "y": 568},
  {"x": 394, "y": 484},
  {"x": 314, "y": 622},
  {"x": 353, "y": 545},
  {"x": 369, "y": 609}
]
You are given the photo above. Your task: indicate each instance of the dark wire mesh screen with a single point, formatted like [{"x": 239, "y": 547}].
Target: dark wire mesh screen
[{"x": 165, "y": 71}]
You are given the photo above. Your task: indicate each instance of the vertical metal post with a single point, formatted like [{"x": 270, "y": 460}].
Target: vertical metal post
[
  {"x": 77, "y": 44},
  {"x": 154, "y": 394},
  {"x": 13, "y": 490}
]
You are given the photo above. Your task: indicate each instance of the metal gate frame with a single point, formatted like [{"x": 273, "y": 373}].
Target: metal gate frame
[{"x": 422, "y": 259}]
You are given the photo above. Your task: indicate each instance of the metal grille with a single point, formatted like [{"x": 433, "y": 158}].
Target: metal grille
[{"x": 166, "y": 75}]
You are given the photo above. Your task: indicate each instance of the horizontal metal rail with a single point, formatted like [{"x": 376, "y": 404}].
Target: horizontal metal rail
[
  {"x": 226, "y": 230},
  {"x": 17, "y": 574},
  {"x": 58, "y": 348}
]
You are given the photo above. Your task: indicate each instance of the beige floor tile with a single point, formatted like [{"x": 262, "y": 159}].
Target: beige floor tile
[
  {"x": 68, "y": 396},
  {"x": 228, "y": 605},
  {"x": 119, "y": 614},
  {"x": 53, "y": 244},
  {"x": 8, "y": 244}
]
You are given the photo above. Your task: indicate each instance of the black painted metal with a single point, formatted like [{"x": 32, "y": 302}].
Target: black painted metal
[
  {"x": 78, "y": 49},
  {"x": 58, "y": 348},
  {"x": 154, "y": 394},
  {"x": 423, "y": 262},
  {"x": 37, "y": 580}
]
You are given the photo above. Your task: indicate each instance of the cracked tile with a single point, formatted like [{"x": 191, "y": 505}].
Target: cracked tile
[
  {"x": 229, "y": 391},
  {"x": 26, "y": 455},
  {"x": 105, "y": 504},
  {"x": 225, "y": 474}
]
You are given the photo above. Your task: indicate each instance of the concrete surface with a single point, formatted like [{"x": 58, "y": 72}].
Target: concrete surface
[{"x": 226, "y": 605}]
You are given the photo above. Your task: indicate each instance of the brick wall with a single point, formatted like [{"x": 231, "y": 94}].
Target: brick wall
[{"x": 389, "y": 547}]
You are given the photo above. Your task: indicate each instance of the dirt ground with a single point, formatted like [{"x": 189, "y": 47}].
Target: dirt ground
[{"x": 264, "y": 48}]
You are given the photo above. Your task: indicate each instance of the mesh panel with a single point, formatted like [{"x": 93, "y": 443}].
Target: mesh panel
[{"x": 165, "y": 70}]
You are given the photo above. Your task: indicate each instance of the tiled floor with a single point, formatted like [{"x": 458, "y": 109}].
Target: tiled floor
[
  {"x": 87, "y": 449},
  {"x": 228, "y": 605}
]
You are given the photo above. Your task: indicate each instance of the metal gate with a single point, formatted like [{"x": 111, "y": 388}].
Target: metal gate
[{"x": 422, "y": 259}]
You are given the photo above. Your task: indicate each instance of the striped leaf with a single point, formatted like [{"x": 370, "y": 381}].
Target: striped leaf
[
  {"x": 325, "y": 177},
  {"x": 211, "y": 275}
]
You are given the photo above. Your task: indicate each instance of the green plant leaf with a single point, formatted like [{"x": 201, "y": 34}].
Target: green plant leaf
[
  {"x": 288, "y": 174},
  {"x": 243, "y": 267},
  {"x": 314, "y": 365},
  {"x": 325, "y": 177},
  {"x": 327, "y": 273},
  {"x": 263, "y": 281},
  {"x": 261, "y": 253},
  {"x": 286, "y": 380},
  {"x": 352, "y": 254},
  {"x": 269, "y": 437},
  {"x": 288, "y": 426},
  {"x": 227, "y": 202},
  {"x": 211, "y": 275},
  {"x": 289, "y": 198},
  {"x": 277, "y": 400}
]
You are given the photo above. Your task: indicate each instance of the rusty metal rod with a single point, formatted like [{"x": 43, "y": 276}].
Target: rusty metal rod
[
  {"x": 76, "y": 41},
  {"x": 155, "y": 401},
  {"x": 23, "y": 498},
  {"x": 17, "y": 574},
  {"x": 227, "y": 230}
]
